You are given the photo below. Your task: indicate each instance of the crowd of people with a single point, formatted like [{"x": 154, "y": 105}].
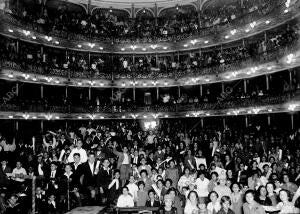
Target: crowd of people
[
  {"x": 80, "y": 65},
  {"x": 174, "y": 24},
  {"x": 117, "y": 164}
]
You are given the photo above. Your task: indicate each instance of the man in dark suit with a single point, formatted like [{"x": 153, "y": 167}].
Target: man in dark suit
[
  {"x": 76, "y": 168},
  {"x": 104, "y": 178},
  {"x": 52, "y": 178},
  {"x": 89, "y": 173},
  {"x": 40, "y": 201},
  {"x": 4, "y": 181}
]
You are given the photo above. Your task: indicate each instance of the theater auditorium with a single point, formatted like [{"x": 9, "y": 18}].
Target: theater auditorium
[{"x": 149, "y": 106}]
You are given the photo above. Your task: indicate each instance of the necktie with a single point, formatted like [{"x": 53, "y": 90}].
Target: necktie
[{"x": 52, "y": 174}]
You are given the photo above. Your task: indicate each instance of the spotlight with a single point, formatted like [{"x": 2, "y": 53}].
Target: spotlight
[{"x": 292, "y": 107}]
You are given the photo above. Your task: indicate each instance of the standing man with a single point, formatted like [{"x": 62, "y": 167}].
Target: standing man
[{"x": 124, "y": 160}]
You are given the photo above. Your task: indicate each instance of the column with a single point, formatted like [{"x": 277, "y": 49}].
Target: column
[
  {"x": 292, "y": 121},
  {"x": 132, "y": 11},
  {"x": 291, "y": 78},
  {"x": 66, "y": 92},
  {"x": 18, "y": 47},
  {"x": 66, "y": 125},
  {"x": 133, "y": 59},
  {"x": 179, "y": 92},
  {"x": 42, "y": 125},
  {"x": 246, "y": 121},
  {"x": 157, "y": 93},
  {"x": 224, "y": 123},
  {"x": 133, "y": 94},
  {"x": 201, "y": 90},
  {"x": 202, "y": 122},
  {"x": 90, "y": 93},
  {"x": 265, "y": 34},
  {"x": 112, "y": 95},
  {"x": 245, "y": 86},
  {"x": 223, "y": 87},
  {"x": 267, "y": 82},
  {"x": 155, "y": 13},
  {"x": 17, "y": 125},
  {"x": 42, "y": 91},
  {"x": 17, "y": 89},
  {"x": 156, "y": 60},
  {"x": 89, "y": 60},
  {"x": 269, "y": 120}
]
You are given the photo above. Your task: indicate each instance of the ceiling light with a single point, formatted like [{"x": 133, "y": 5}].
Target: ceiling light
[
  {"x": 101, "y": 48},
  {"x": 34, "y": 117},
  {"x": 165, "y": 48},
  {"x": 185, "y": 45},
  {"x": 79, "y": 117},
  {"x": 57, "y": 117},
  {"x": 233, "y": 31},
  {"x": 267, "y": 22},
  {"x": 10, "y": 30},
  {"x": 122, "y": 49},
  {"x": 247, "y": 30},
  {"x": 57, "y": 81},
  {"x": 270, "y": 110},
  {"x": 144, "y": 49},
  {"x": 10, "y": 116},
  {"x": 79, "y": 83},
  {"x": 10, "y": 75},
  {"x": 226, "y": 37},
  {"x": 166, "y": 115},
  {"x": 57, "y": 42},
  {"x": 123, "y": 117},
  {"x": 292, "y": 107},
  {"x": 26, "y": 32},
  {"x": 286, "y": 11},
  {"x": 133, "y": 47},
  {"x": 34, "y": 79},
  {"x": 33, "y": 37},
  {"x": 92, "y": 45},
  {"x": 153, "y": 46},
  {"x": 48, "y": 38},
  {"x": 79, "y": 46},
  {"x": 206, "y": 42},
  {"x": 207, "y": 114}
]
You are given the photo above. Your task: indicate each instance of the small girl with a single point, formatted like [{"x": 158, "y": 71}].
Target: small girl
[
  {"x": 214, "y": 205},
  {"x": 225, "y": 204}
]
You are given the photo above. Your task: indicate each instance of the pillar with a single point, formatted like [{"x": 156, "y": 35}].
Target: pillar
[
  {"x": 265, "y": 34},
  {"x": 202, "y": 122},
  {"x": 245, "y": 86},
  {"x": 269, "y": 120},
  {"x": 42, "y": 91},
  {"x": 179, "y": 92},
  {"x": 90, "y": 93},
  {"x": 223, "y": 87},
  {"x": 112, "y": 95},
  {"x": 201, "y": 90},
  {"x": 42, "y": 125},
  {"x": 156, "y": 60},
  {"x": 66, "y": 92},
  {"x": 291, "y": 78},
  {"x": 18, "y": 46},
  {"x": 66, "y": 125},
  {"x": 17, "y": 125},
  {"x": 246, "y": 121},
  {"x": 292, "y": 121},
  {"x": 155, "y": 13},
  {"x": 224, "y": 123},
  {"x": 133, "y": 94},
  {"x": 157, "y": 93},
  {"x": 267, "y": 82},
  {"x": 133, "y": 59},
  {"x": 132, "y": 11},
  {"x": 17, "y": 89}
]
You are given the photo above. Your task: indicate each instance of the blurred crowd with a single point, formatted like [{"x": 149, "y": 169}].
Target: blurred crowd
[
  {"x": 74, "y": 64},
  {"x": 173, "y": 167},
  {"x": 109, "y": 24}
]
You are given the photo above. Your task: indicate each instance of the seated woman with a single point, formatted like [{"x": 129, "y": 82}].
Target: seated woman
[
  {"x": 191, "y": 205},
  {"x": 214, "y": 205},
  {"x": 285, "y": 206},
  {"x": 168, "y": 206},
  {"x": 262, "y": 198},
  {"x": 225, "y": 206},
  {"x": 125, "y": 199},
  {"x": 251, "y": 206}
]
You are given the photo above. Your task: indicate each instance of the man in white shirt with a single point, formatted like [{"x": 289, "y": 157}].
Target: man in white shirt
[
  {"x": 202, "y": 185},
  {"x": 80, "y": 150},
  {"x": 132, "y": 188},
  {"x": 18, "y": 173}
]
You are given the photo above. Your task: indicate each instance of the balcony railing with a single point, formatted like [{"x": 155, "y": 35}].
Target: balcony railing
[{"x": 134, "y": 108}]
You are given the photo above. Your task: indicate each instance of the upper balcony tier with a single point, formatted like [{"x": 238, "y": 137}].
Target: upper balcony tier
[{"x": 139, "y": 28}]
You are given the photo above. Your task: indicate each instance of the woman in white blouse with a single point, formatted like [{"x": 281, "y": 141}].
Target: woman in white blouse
[
  {"x": 191, "y": 206},
  {"x": 214, "y": 205},
  {"x": 125, "y": 199}
]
